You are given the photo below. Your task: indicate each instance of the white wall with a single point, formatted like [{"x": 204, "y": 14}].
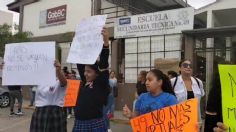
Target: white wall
[
  {"x": 219, "y": 5},
  {"x": 6, "y": 17},
  {"x": 76, "y": 10}
]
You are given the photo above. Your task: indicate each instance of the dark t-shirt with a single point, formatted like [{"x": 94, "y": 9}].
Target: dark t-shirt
[
  {"x": 14, "y": 87},
  {"x": 91, "y": 101},
  {"x": 141, "y": 88},
  {"x": 190, "y": 95},
  {"x": 214, "y": 98}
]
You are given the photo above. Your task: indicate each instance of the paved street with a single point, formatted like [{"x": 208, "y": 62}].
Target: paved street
[{"x": 22, "y": 123}]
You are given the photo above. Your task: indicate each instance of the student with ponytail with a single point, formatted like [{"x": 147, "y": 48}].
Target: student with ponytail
[{"x": 160, "y": 94}]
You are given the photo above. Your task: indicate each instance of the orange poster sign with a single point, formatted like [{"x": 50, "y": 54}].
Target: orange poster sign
[
  {"x": 72, "y": 92},
  {"x": 182, "y": 117}
]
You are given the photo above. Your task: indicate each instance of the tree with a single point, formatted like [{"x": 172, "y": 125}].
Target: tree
[{"x": 6, "y": 37}]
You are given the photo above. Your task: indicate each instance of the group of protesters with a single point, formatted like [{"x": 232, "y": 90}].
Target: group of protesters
[
  {"x": 95, "y": 103},
  {"x": 155, "y": 90}
]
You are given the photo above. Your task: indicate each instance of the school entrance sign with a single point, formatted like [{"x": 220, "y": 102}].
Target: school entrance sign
[{"x": 158, "y": 23}]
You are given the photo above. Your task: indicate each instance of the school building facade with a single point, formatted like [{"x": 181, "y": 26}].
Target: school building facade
[{"x": 211, "y": 39}]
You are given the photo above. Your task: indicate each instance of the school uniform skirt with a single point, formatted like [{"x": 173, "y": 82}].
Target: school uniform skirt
[
  {"x": 94, "y": 125},
  {"x": 48, "y": 119}
]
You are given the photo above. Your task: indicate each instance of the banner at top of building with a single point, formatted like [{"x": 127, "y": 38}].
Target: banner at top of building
[
  {"x": 158, "y": 23},
  {"x": 53, "y": 16}
]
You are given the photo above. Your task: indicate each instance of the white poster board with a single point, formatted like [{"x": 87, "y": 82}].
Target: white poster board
[
  {"x": 30, "y": 63},
  {"x": 157, "y": 23},
  {"x": 88, "y": 41}
]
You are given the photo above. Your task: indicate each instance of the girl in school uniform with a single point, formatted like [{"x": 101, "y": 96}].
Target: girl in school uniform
[
  {"x": 160, "y": 94},
  {"x": 49, "y": 100},
  {"x": 93, "y": 93}
]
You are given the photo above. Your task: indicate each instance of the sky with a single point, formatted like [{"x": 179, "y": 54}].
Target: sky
[
  {"x": 3, "y": 7},
  {"x": 195, "y": 3}
]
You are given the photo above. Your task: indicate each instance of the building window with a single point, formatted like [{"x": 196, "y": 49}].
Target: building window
[{"x": 141, "y": 53}]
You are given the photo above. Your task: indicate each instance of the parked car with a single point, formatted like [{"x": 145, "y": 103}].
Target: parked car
[{"x": 4, "y": 97}]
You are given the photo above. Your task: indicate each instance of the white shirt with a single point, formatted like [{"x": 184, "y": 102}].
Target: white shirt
[
  {"x": 181, "y": 90},
  {"x": 50, "y": 95}
]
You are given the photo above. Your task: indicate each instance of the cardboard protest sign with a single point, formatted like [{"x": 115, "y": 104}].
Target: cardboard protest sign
[
  {"x": 182, "y": 117},
  {"x": 72, "y": 92},
  {"x": 30, "y": 63},
  {"x": 88, "y": 41},
  {"x": 228, "y": 91}
]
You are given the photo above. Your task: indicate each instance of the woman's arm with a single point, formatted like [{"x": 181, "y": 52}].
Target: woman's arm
[
  {"x": 81, "y": 68},
  {"x": 59, "y": 73},
  {"x": 201, "y": 88},
  {"x": 103, "y": 64},
  {"x": 128, "y": 113}
]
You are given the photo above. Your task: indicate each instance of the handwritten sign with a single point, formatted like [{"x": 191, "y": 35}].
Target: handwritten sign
[
  {"x": 228, "y": 89},
  {"x": 72, "y": 92},
  {"x": 29, "y": 63},
  {"x": 178, "y": 118},
  {"x": 88, "y": 41}
]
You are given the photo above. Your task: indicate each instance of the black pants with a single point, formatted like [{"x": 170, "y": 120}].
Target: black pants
[{"x": 15, "y": 94}]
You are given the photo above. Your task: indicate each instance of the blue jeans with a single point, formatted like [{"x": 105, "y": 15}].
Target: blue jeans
[{"x": 109, "y": 108}]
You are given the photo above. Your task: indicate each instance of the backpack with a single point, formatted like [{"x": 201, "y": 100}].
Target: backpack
[{"x": 198, "y": 83}]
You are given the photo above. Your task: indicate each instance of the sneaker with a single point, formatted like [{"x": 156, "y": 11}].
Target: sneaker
[
  {"x": 69, "y": 116},
  {"x": 12, "y": 114},
  {"x": 109, "y": 130},
  {"x": 19, "y": 113}
]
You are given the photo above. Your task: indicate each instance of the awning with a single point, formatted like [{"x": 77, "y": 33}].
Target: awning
[{"x": 225, "y": 31}]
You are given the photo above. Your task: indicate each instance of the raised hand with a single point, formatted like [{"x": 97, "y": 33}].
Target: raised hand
[
  {"x": 105, "y": 35},
  {"x": 220, "y": 127},
  {"x": 127, "y": 112},
  {"x": 57, "y": 65}
]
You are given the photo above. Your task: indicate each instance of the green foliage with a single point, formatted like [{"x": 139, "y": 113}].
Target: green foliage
[{"x": 6, "y": 37}]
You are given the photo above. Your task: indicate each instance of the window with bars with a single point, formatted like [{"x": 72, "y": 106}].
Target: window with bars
[{"x": 140, "y": 53}]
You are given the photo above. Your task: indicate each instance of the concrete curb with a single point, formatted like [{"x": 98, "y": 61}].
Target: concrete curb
[
  {"x": 28, "y": 107},
  {"x": 120, "y": 121},
  {"x": 114, "y": 120}
]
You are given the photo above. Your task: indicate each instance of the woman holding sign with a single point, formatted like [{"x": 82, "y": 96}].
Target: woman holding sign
[
  {"x": 186, "y": 86},
  {"x": 93, "y": 93},
  {"x": 160, "y": 95},
  {"x": 49, "y": 100}
]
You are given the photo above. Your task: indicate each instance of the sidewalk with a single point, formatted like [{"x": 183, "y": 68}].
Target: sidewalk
[
  {"x": 22, "y": 123},
  {"x": 118, "y": 116}
]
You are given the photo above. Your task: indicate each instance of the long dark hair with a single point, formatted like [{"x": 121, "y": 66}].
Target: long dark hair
[{"x": 166, "y": 84}]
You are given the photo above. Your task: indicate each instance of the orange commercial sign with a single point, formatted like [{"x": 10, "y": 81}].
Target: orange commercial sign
[
  {"x": 182, "y": 117},
  {"x": 72, "y": 93}
]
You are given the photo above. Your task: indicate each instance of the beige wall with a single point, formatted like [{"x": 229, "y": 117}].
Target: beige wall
[
  {"x": 126, "y": 94},
  {"x": 6, "y": 17},
  {"x": 76, "y": 10}
]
